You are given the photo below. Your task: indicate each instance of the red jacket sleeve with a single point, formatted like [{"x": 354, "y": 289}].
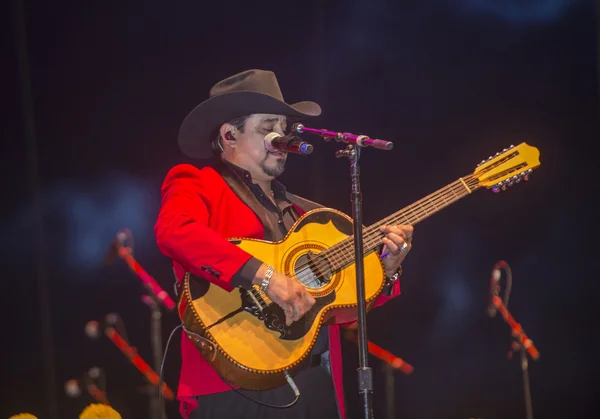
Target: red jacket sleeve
[
  {"x": 182, "y": 231},
  {"x": 382, "y": 299}
]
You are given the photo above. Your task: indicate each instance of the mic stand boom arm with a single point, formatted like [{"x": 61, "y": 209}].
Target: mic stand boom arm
[
  {"x": 138, "y": 362},
  {"x": 344, "y": 137}
]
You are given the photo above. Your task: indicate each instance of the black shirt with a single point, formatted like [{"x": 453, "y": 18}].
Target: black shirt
[{"x": 282, "y": 214}]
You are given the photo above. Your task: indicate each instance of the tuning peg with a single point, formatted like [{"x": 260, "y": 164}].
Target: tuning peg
[
  {"x": 482, "y": 161},
  {"x": 496, "y": 189}
]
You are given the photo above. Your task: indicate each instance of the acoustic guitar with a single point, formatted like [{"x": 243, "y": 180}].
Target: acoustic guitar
[{"x": 243, "y": 334}]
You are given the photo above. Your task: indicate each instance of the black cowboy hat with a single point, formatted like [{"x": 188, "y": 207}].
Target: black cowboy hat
[{"x": 249, "y": 92}]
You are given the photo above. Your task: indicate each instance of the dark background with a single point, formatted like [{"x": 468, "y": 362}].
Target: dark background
[{"x": 449, "y": 81}]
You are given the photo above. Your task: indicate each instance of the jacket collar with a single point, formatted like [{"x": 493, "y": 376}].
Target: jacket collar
[{"x": 236, "y": 178}]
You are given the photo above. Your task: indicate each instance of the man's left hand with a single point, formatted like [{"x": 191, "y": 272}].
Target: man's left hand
[{"x": 397, "y": 243}]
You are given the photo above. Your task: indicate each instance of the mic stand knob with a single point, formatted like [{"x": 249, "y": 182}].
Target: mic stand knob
[{"x": 349, "y": 152}]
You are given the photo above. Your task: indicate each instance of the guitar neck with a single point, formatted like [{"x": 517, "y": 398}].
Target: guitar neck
[{"x": 410, "y": 215}]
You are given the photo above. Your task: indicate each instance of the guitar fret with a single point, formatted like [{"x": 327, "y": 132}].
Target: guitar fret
[
  {"x": 444, "y": 198},
  {"x": 342, "y": 253},
  {"x": 454, "y": 193},
  {"x": 421, "y": 205},
  {"x": 412, "y": 213}
]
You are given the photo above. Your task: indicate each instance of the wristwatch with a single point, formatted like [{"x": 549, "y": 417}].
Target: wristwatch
[{"x": 391, "y": 280}]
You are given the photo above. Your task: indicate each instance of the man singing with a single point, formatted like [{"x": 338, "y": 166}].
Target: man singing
[{"x": 238, "y": 196}]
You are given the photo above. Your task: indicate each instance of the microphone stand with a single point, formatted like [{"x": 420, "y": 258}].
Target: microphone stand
[
  {"x": 390, "y": 362},
  {"x": 155, "y": 295},
  {"x": 524, "y": 345},
  {"x": 521, "y": 342},
  {"x": 352, "y": 152},
  {"x": 390, "y": 390},
  {"x": 157, "y": 406},
  {"x": 365, "y": 374},
  {"x": 526, "y": 387}
]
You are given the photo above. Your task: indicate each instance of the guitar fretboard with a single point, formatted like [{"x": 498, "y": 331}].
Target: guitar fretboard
[{"x": 342, "y": 254}]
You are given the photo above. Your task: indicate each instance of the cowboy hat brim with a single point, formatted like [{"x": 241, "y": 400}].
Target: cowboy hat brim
[{"x": 194, "y": 134}]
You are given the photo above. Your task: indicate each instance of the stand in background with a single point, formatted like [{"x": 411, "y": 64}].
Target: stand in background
[
  {"x": 391, "y": 364},
  {"x": 521, "y": 342},
  {"x": 156, "y": 296},
  {"x": 390, "y": 392},
  {"x": 156, "y": 405},
  {"x": 352, "y": 152}
]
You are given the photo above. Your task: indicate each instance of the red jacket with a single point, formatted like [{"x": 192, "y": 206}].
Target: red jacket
[{"x": 198, "y": 212}]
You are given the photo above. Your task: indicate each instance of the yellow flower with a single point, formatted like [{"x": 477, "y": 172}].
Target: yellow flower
[
  {"x": 23, "y": 416},
  {"x": 99, "y": 411}
]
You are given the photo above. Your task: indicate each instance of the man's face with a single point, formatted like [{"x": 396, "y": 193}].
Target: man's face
[{"x": 250, "y": 152}]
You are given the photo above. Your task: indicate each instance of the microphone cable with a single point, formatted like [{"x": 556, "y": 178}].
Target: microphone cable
[{"x": 289, "y": 379}]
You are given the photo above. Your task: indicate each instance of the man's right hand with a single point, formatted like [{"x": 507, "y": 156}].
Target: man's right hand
[{"x": 287, "y": 293}]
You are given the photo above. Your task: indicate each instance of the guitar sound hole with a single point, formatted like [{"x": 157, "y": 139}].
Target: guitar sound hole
[{"x": 313, "y": 270}]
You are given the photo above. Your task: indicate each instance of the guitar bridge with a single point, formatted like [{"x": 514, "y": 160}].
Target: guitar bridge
[{"x": 254, "y": 304}]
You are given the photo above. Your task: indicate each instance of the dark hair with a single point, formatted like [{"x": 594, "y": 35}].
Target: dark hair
[{"x": 238, "y": 123}]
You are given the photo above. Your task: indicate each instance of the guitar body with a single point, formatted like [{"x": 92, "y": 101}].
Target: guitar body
[{"x": 243, "y": 335}]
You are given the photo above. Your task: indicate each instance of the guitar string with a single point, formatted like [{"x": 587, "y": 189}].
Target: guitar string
[
  {"x": 373, "y": 234},
  {"x": 340, "y": 250},
  {"x": 430, "y": 208},
  {"x": 404, "y": 213},
  {"x": 338, "y": 253}
]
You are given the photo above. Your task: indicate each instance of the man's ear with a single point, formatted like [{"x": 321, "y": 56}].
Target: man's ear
[{"x": 227, "y": 134}]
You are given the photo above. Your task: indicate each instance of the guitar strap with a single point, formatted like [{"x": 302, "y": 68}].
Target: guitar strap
[{"x": 302, "y": 203}]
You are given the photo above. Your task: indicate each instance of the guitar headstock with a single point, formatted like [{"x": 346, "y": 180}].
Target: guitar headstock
[{"x": 510, "y": 166}]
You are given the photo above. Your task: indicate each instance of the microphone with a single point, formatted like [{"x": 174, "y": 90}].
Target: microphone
[
  {"x": 92, "y": 329},
  {"x": 495, "y": 287},
  {"x": 289, "y": 143},
  {"x": 117, "y": 243},
  {"x": 72, "y": 388}
]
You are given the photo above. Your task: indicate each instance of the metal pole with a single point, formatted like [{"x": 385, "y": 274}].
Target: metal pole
[
  {"x": 390, "y": 391},
  {"x": 526, "y": 388},
  {"x": 157, "y": 405},
  {"x": 27, "y": 110},
  {"x": 598, "y": 43}
]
